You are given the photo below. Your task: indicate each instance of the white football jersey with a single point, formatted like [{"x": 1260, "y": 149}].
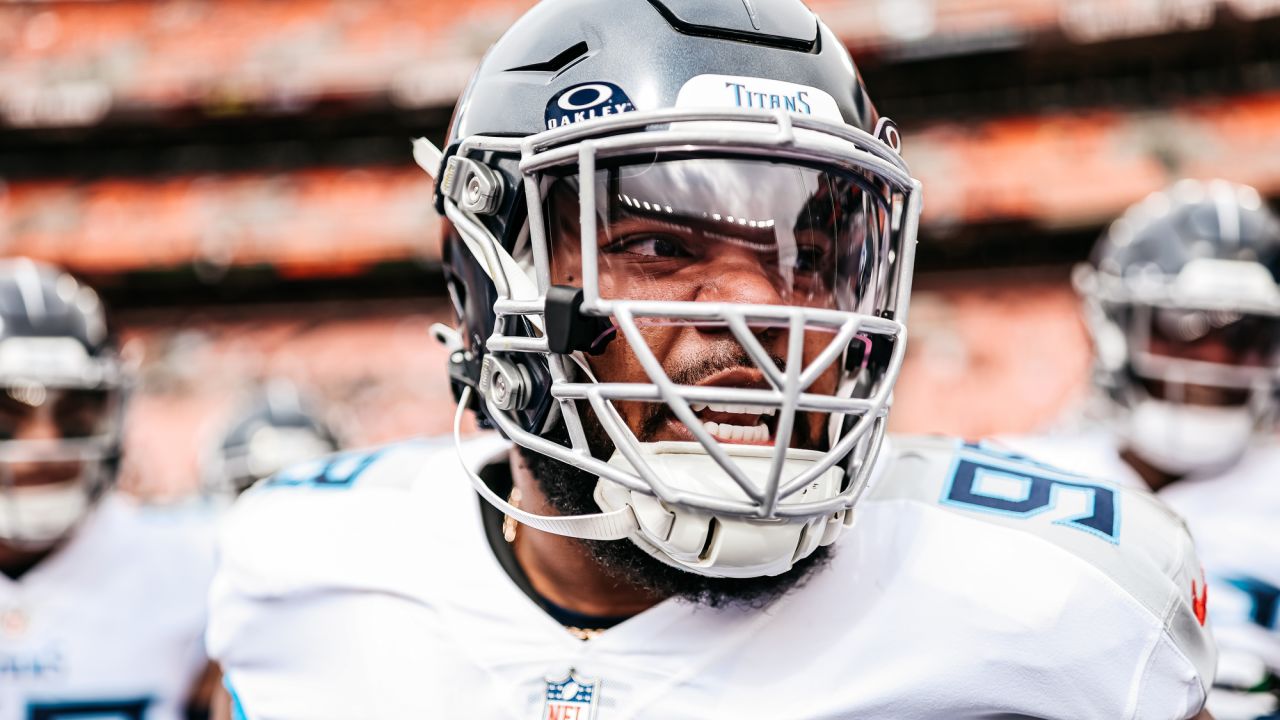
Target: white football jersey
[
  {"x": 110, "y": 626},
  {"x": 1233, "y": 517},
  {"x": 970, "y": 586}
]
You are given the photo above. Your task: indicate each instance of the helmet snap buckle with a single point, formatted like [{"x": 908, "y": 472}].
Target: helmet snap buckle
[{"x": 506, "y": 384}]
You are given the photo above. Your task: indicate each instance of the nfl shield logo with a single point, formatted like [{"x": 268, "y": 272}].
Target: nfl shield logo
[{"x": 573, "y": 698}]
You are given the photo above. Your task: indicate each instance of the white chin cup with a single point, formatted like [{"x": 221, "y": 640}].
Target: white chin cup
[
  {"x": 718, "y": 545},
  {"x": 1180, "y": 438},
  {"x": 41, "y": 515}
]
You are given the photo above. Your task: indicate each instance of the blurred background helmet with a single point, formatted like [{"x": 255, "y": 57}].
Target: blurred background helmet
[
  {"x": 276, "y": 428},
  {"x": 1182, "y": 302},
  {"x": 61, "y": 403},
  {"x": 738, "y": 119}
]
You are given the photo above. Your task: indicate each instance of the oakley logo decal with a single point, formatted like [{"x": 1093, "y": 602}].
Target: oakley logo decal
[{"x": 586, "y": 102}]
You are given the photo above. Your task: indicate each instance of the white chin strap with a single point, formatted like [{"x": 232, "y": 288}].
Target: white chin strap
[
  {"x": 615, "y": 525},
  {"x": 41, "y": 515},
  {"x": 696, "y": 541},
  {"x": 1180, "y": 438}
]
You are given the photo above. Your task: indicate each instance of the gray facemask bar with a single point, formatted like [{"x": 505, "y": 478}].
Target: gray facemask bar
[
  {"x": 89, "y": 449},
  {"x": 820, "y": 142}
]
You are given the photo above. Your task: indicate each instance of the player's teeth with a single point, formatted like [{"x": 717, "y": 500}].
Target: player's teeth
[
  {"x": 733, "y": 409},
  {"x": 737, "y": 433}
]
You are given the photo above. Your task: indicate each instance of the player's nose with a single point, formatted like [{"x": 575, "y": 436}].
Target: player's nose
[
  {"x": 738, "y": 276},
  {"x": 38, "y": 425}
]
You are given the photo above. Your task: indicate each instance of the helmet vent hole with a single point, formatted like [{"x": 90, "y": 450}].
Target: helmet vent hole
[
  {"x": 713, "y": 529},
  {"x": 562, "y": 61}
]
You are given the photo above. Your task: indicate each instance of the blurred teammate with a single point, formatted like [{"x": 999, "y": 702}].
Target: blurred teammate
[
  {"x": 680, "y": 250},
  {"x": 102, "y": 602},
  {"x": 1183, "y": 306},
  {"x": 277, "y": 430}
]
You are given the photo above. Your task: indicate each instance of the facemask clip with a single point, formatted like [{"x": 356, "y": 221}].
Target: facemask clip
[{"x": 568, "y": 330}]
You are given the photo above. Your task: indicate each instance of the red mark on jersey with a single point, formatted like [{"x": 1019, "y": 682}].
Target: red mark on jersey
[{"x": 1199, "y": 601}]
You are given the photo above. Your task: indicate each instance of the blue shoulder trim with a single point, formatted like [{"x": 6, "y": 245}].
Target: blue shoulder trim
[
  {"x": 335, "y": 471},
  {"x": 237, "y": 708}
]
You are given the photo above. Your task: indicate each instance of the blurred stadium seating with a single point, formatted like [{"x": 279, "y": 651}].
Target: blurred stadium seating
[
  {"x": 235, "y": 176},
  {"x": 314, "y": 220}
]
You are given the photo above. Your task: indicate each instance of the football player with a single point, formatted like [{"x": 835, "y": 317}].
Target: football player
[
  {"x": 277, "y": 430},
  {"x": 680, "y": 243},
  {"x": 102, "y": 601},
  {"x": 1182, "y": 303}
]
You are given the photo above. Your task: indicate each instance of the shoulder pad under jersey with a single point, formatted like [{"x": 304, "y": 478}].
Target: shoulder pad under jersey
[
  {"x": 1125, "y": 533},
  {"x": 355, "y": 520}
]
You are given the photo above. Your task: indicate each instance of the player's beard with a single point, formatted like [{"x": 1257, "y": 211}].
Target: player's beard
[{"x": 570, "y": 490}]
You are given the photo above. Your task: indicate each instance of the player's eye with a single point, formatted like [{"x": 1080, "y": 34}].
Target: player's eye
[
  {"x": 12, "y": 414},
  {"x": 80, "y": 414},
  {"x": 649, "y": 245},
  {"x": 12, "y": 422},
  {"x": 810, "y": 259}
]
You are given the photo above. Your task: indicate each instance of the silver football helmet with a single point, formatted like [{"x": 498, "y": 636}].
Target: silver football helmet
[
  {"x": 277, "y": 428},
  {"x": 1183, "y": 306},
  {"x": 61, "y": 403},
  {"x": 618, "y": 174}
]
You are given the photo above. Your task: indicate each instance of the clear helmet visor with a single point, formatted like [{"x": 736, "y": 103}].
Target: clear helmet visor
[
  {"x": 1221, "y": 336},
  {"x": 724, "y": 230}
]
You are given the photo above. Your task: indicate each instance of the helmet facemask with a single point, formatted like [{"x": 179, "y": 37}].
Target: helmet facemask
[
  {"x": 721, "y": 295},
  {"x": 50, "y": 481}
]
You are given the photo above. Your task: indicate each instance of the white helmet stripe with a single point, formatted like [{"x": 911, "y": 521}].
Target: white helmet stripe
[
  {"x": 1228, "y": 206},
  {"x": 29, "y": 289}
]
